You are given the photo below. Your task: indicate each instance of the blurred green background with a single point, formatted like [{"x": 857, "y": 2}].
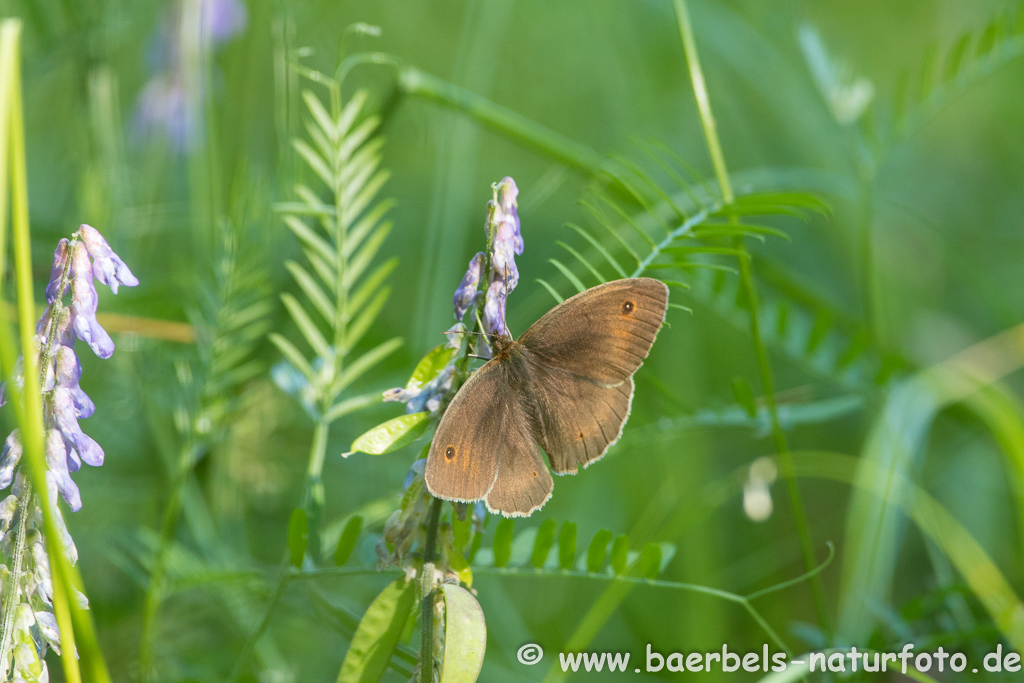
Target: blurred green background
[{"x": 920, "y": 156}]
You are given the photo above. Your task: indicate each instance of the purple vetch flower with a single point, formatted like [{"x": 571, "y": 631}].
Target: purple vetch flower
[
  {"x": 65, "y": 417},
  {"x": 67, "y": 373},
  {"x": 494, "y": 308},
  {"x": 57, "y": 470},
  {"x": 84, "y": 302},
  {"x": 107, "y": 266},
  {"x": 60, "y": 259},
  {"x": 454, "y": 334},
  {"x": 465, "y": 295},
  {"x": 427, "y": 397},
  {"x": 224, "y": 19}
]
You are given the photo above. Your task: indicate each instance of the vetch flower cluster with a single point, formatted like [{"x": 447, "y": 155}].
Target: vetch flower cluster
[
  {"x": 26, "y": 617},
  {"x": 505, "y": 242},
  {"x": 171, "y": 100}
]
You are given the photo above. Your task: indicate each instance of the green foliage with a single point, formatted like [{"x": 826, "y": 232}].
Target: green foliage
[
  {"x": 394, "y": 434},
  {"x": 340, "y": 237},
  {"x": 378, "y": 633},
  {"x": 465, "y": 636},
  {"x": 875, "y": 220}
]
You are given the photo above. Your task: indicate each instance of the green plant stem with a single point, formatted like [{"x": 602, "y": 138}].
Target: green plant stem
[
  {"x": 155, "y": 590},
  {"x": 750, "y": 293},
  {"x": 312, "y": 496},
  {"x": 427, "y": 590}
]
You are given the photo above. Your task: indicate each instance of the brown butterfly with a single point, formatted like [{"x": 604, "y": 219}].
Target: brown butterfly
[{"x": 566, "y": 385}]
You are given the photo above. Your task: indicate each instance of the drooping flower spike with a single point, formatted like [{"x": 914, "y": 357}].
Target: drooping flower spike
[{"x": 76, "y": 264}]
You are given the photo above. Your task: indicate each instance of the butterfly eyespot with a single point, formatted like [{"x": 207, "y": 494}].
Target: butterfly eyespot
[
  {"x": 535, "y": 474},
  {"x": 581, "y": 436},
  {"x": 628, "y": 307},
  {"x": 449, "y": 453}
]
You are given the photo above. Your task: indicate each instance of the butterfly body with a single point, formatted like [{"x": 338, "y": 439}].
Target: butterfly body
[{"x": 565, "y": 386}]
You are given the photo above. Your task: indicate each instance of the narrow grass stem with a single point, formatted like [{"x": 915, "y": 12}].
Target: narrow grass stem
[{"x": 749, "y": 289}]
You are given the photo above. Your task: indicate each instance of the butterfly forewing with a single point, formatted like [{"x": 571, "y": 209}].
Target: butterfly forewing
[{"x": 604, "y": 333}]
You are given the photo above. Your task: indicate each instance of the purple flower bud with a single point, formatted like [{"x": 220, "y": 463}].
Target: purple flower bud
[
  {"x": 9, "y": 459},
  {"x": 65, "y": 416},
  {"x": 68, "y": 373},
  {"x": 107, "y": 266},
  {"x": 494, "y": 308},
  {"x": 84, "y": 301},
  {"x": 60, "y": 259},
  {"x": 508, "y": 193},
  {"x": 224, "y": 19},
  {"x": 503, "y": 261},
  {"x": 465, "y": 295},
  {"x": 57, "y": 470}
]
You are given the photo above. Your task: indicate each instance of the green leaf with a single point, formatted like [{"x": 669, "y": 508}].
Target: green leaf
[
  {"x": 542, "y": 544},
  {"x": 430, "y": 365},
  {"x": 315, "y": 161},
  {"x": 461, "y": 528},
  {"x": 357, "y": 137},
  {"x": 392, "y": 435},
  {"x": 569, "y": 275},
  {"x": 364, "y": 226},
  {"x": 371, "y": 284},
  {"x": 365, "y": 255},
  {"x": 503, "y": 541},
  {"x": 567, "y": 545},
  {"x": 361, "y": 324},
  {"x": 600, "y": 248},
  {"x": 649, "y": 563},
  {"x": 465, "y": 636},
  {"x": 551, "y": 290},
  {"x": 620, "y": 553},
  {"x": 306, "y": 326},
  {"x": 312, "y": 290},
  {"x": 366, "y": 361},
  {"x": 298, "y": 535},
  {"x": 347, "y": 542},
  {"x": 461, "y": 567},
  {"x": 352, "y": 404},
  {"x": 955, "y": 56},
  {"x": 296, "y": 358},
  {"x": 323, "y": 119},
  {"x": 743, "y": 394},
  {"x": 378, "y": 633},
  {"x": 598, "y": 550},
  {"x": 350, "y": 112}
]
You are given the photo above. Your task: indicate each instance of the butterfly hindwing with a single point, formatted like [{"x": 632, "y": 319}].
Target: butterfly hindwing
[
  {"x": 484, "y": 448},
  {"x": 575, "y": 419},
  {"x": 602, "y": 334}
]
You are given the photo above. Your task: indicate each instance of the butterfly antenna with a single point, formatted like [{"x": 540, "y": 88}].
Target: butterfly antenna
[{"x": 463, "y": 332}]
